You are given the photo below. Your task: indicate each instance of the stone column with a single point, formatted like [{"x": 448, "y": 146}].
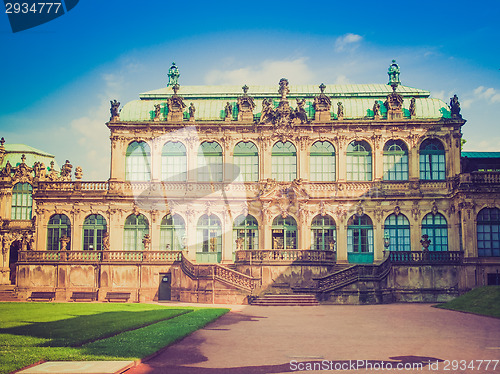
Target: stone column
[
  {"x": 342, "y": 242},
  {"x": 342, "y": 164},
  {"x": 156, "y": 147},
  {"x": 378, "y": 241},
  {"x": 265, "y": 162},
  {"x": 378, "y": 163},
  {"x": 118, "y": 150},
  {"x": 413, "y": 164}
]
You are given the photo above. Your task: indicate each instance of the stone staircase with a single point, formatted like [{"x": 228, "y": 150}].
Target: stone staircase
[
  {"x": 285, "y": 300},
  {"x": 8, "y": 293}
]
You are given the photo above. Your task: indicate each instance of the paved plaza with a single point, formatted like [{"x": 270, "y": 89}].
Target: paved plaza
[{"x": 405, "y": 338}]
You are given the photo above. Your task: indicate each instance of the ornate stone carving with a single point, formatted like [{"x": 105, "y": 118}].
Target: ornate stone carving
[
  {"x": 246, "y": 105},
  {"x": 393, "y": 73},
  {"x": 176, "y": 106},
  {"x": 300, "y": 112},
  {"x": 78, "y": 173},
  {"x": 53, "y": 174},
  {"x": 340, "y": 111},
  {"x": 267, "y": 114},
  {"x": 64, "y": 240},
  {"x": 376, "y": 110},
  {"x": 115, "y": 113},
  {"x": 228, "y": 111},
  {"x": 66, "y": 171},
  {"x": 157, "y": 117},
  {"x": 146, "y": 242},
  {"x": 105, "y": 241},
  {"x": 192, "y": 111},
  {"x": 322, "y": 105},
  {"x": 394, "y": 105},
  {"x": 412, "y": 107},
  {"x": 7, "y": 170},
  {"x": 173, "y": 75},
  {"x": 22, "y": 173},
  {"x": 415, "y": 211},
  {"x": 455, "y": 107}
]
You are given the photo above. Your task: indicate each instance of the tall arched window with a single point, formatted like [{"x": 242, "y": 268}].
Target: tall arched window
[
  {"x": 209, "y": 239},
  {"x": 58, "y": 226},
  {"x": 488, "y": 232},
  {"x": 398, "y": 229},
  {"x": 432, "y": 160},
  {"x": 323, "y": 236},
  {"x": 322, "y": 162},
  {"x": 245, "y": 233},
  {"x": 359, "y": 161},
  {"x": 284, "y": 233},
  {"x": 284, "y": 162},
  {"x": 210, "y": 167},
  {"x": 22, "y": 201},
  {"x": 246, "y": 157},
  {"x": 138, "y": 161},
  {"x": 94, "y": 228},
  {"x": 360, "y": 239},
  {"x": 136, "y": 227},
  {"x": 436, "y": 227},
  {"x": 395, "y": 161},
  {"x": 172, "y": 233},
  {"x": 173, "y": 162}
]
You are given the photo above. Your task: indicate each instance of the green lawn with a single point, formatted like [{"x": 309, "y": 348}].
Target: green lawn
[
  {"x": 483, "y": 300},
  {"x": 30, "y": 332}
]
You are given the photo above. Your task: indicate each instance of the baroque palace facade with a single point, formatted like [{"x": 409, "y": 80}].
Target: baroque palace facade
[{"x": 353, "y": 193}]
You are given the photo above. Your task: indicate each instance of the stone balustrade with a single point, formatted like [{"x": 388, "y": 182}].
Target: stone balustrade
[
  {"x": 287, "y": 256},
  {"x": 100, "y": 256},
  {"x": 428, "y": 257}
]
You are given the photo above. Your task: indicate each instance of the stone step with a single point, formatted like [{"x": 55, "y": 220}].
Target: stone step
[
  {"x": 286, "y": 300},
  {"x": 8, "y": 295}
]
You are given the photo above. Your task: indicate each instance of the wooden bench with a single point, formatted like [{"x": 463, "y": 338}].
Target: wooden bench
[
  {"x": 117, "y": 296},
  {"x": 42, "y": 295},
  {"x": 92, "y": 296}
]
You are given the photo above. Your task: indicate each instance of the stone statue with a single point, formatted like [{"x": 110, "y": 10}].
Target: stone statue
[
  {"x": 53, "y": 175},
  {"x": 340, "y": 110},
  {"x": 43, "y": 171},
  {"x": 78, "y": 172},
  {"x": 146, "y": 241},
  {"x": 173, "y": 75},
  {"x": 300, "y": 112},
  {"x": 64, "y": 240},
  {"x": 239, "y": 243},
  {"x": 37, "y": 168},
  {"x": 115, "y": 114},
  {"x": 267, "y": 115},
  {"x": 66, "y": 171},
  {"x": 228, "y": 110},
  {"x": 157, "y": 112},
  {"x": 393, "y": 73},
  {"x": 7, "y": 170},
  {"x": 192, "y": 111},
  {"x": 283, "y": 90},
  {"x": 412, "y": 107},
  {"x": 376, "y": 109},
  {"x": 105, "y": 241},
  {"x": 455, "y": 107}
]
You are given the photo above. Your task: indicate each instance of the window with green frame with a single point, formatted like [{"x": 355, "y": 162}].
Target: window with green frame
[
  {"x": 436, "y": 227},
  {"x": 395, "y": 161},
  {"x": 22, "y": 201},
  {"x": 246, "y": 231},
  {"x": 359, "y": 161},
  {"x": 397, "y": 227},
  {"x": 432, "y": 160},
  {"x": 246, "y": 157},
  {"x": 284, "y": 231},
  {"x": 94, "y": 227},
  {"x": 322, "y": 162},
  {"x": 360, "y": 234},
  {"x": 209, "y": 234},
  {"x": 324, "y": 235},
  {"x": 138, "y": 162},
  {"x": 172, "y": 233},
  {"x": 173, "y": 162},
  {"x": 136, "y": 227},
  {"x": 284, "y": 162},
  {"x": 59, "y": 225},
  {"x": 488, "y": 232},
  {"x": 210, "y": 168}
]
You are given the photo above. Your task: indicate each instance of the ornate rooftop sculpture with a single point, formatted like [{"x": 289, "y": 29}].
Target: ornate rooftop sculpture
[
  {"x": 246, "y": 105},
  {"x": 393, "y": 73},
  {"x": 192, "y": 111},
  {"x": 173, "y": 75},
  {"x": 322, "y": 105},
  {"x": 115, "y": 113},
  {"x": 455, "y": 107},
  {"x": 394, "y": 104},
  {"x": 175, "y": 106}
]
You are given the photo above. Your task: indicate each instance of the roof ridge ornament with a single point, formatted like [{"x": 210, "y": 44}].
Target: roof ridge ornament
[
  {"x": 322, "y": 104},
  {"x": 173, "y": 75},
  {"x": 393, "y": 73}
]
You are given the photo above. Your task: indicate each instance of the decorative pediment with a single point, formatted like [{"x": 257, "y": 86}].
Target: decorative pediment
[
  {"x": 175, "y": 105},
  {"x": 246, "y": 105}
]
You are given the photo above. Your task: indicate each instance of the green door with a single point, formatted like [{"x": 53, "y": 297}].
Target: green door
[{"x": 164, "y": 289}]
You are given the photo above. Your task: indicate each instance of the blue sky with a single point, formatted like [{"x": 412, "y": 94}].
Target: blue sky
[{"x": 58, "y": 78}]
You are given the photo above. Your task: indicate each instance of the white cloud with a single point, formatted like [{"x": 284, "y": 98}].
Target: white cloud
[
  {"x": 488, "y": 94},
  {"x": 265, "y": 73},
  {"x": 347, "y": 40}
]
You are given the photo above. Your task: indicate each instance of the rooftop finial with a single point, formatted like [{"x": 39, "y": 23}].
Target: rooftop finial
[
  {"x": 173, "y": 75},
  {"x": 245, "y": 89},
  {"x": 393, "y": 73}
]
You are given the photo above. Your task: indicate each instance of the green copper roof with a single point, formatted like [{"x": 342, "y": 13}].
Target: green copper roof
[
  {"x": 14, "y": 152},
  {"x": 357, "y": 100},
  {"x": 481, "y": 154}
]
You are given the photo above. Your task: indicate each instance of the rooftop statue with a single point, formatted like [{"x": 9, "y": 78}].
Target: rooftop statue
[
  {"x": 393, "y": 73},
  {"x": 300, "y": 112},
  {"x": 173, "y": 75},
  {"x": 455, "y": 107},
  {"x": 115, "y": 113},
  {"x": 283, "y": 90},
  {"x": 228, "y": 110},
  {"x": 246, "y": 105},
  {"x": 192, "y": 111}
]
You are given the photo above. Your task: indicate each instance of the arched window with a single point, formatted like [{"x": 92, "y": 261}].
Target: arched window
[
  {"x": 209, "y": 239},
  {"x": 398, "y": 229},
  {"x": 210, "y": 162},
  {"x": 284, "y": 233},
  {"x": 322, "y": 162},
  {"x": 360, "y": 239},
  {"x": 172, "y": 233},
  {"x": 284, "y": 162},
  {"x": 245, "y": 233},
  {"x": 432, "y": 160},
  {"x": 58, "y": 226},
  {"x": 22, "y": 201},
  {"x": 395, "y": 161},
  {"x": 137, "y": 162},
  {"x": 136, "y": 227},
  {"x": 246, "y": 157},
  {"x": 173, "y": 162},
  {"x": 488, "y": 232},
  {"x": 323, "y": 236},
  {"x": 359, "y": 161},
  {"x": 435, "y": 226},
  {"x": 94, "y": 228}
]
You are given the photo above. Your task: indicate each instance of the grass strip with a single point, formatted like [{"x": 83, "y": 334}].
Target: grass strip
[{"x": 483, "y": 300}]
